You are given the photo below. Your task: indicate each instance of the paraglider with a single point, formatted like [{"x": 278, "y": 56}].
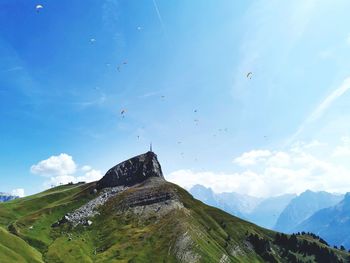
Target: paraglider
[
  {"x": 122, "y": 112},
  {"x": 38, "y": 8},
  {"x": 120, "y": 65},
  {"x": 250, "y": 75}
]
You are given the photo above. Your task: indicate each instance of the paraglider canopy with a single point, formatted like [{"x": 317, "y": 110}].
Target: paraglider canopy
[{"x": 38, "y": 7}]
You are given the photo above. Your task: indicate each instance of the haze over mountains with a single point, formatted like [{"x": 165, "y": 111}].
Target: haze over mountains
[
  {"x": 304, "y": 206},
  {"x": 134, "y": 215},
  {"x": 263, "y": 212},
  {"x": 332, "y": 224},
  {"x": 322, "y": 213}
]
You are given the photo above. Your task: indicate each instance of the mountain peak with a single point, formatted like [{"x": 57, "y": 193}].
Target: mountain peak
[
  {"x": 4, "y": 197},
  {"x": 132, "y": 171},
  {"x": 346, "y": 201}
]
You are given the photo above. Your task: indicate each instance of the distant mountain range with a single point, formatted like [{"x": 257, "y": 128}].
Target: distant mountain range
[
  {"x": 263, "y": 212},
  {"x": 302, "y": 207},
  {"x": 6, "y": 197},
  {"x": 324, "y": 214},
  {"x": 332, "y": 224},
  {"x": 268, "y": 211},
  {"x": 233, "y": 203},
  {"x": 134, "y": 215}
]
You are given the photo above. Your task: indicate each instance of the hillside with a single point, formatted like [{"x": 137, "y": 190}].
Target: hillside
[
  {"x": 302, "y": 207},
  {"x": 332, "y": 223},
  {"x": 134, "y": 215}
]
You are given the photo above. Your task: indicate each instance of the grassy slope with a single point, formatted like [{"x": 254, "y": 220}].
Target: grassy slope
[
  {"x": 121, "y": 237},
  {"x": 14, "y": 249},
  {"x": 30, "y": 218}
]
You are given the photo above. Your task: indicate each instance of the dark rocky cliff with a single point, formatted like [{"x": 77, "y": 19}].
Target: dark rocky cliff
[{"x": 132, "y": 171}]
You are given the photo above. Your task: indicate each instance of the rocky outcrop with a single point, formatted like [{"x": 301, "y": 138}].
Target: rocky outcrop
[
  {"x": 132, "y": 171},
  {"x": 143, "y": 173},
  {"x": 90, "y": 209},
  {"x": 145, "y": 195}
]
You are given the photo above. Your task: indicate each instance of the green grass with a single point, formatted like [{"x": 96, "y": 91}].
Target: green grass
[
  {"x": 14, "y": 249},
  {"x": 26, "y": 234}
]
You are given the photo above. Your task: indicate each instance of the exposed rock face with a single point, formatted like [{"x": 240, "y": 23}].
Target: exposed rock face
[
  {"x": 132, "y": 171},
  {"x": 142, "y": 173},
  {"x": 147, "y": 194},
  {"x": 151, "y": 198},
  {"x": 90, "y": 209}
]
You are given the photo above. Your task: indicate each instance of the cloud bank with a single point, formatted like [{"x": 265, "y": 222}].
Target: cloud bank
[
  {"x": 62, "y": 169},
  {"x": 315, "y": 166},
  {"x": 18, "y": 192}
]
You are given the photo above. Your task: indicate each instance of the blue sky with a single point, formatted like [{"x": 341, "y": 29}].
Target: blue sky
[{"x": 179, "y": 70}]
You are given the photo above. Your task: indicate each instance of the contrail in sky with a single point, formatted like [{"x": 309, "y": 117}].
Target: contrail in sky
[
  {"x": 159, "y": 15},
  {"x": 12, "y": 69},
  {"x": 323, "y": 106}
]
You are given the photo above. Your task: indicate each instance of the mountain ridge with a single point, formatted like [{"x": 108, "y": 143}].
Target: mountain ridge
[
  {"x": 332, "y": 223},
  {"x": 261, "y": 211},
  {"x": 302, "y": 207},
  {"x": 145, "y": 221}
]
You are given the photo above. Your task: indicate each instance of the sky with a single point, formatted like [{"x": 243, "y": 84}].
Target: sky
[{"x": 178, "y": 72}]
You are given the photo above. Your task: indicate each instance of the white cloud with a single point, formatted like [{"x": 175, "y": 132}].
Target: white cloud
[
  {"x": 12, "y": 69},
  {"x": 99, "y": 101},
  {"x": 219, "y": 182},
  {"x": 252, "y": 157},
  {"x": 86, "y": 168},
  {"x": 342, "y": 150},
  {"x": 18, "y": 192},
  {"x": 59, "y": 165},
  {"x": 90, "y": 176},
  {"x": 269, "y": 173},
  {"x": 62, "y": 169}
]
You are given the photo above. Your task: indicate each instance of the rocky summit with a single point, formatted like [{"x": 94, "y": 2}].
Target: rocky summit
[{"x": 132, "y": 171}]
